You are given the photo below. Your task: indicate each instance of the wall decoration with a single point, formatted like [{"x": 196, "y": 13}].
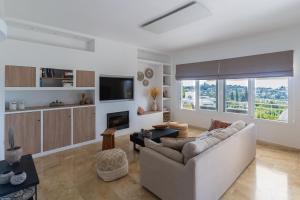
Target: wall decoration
[
  {"x": 149, "y": 73},
  {"x": 140, "y": 76},
  {"x": 145, "y": 82}
]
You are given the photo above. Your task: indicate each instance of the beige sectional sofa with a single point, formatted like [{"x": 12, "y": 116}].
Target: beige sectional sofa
[{"x": 204, "y": 177}]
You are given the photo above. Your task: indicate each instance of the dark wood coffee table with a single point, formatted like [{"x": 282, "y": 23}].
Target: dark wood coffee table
[{"x": 137, "y": 138}]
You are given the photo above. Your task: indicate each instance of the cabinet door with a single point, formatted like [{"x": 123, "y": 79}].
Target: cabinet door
[
  {"x": 83, "y": 124},
  {"x": 85, "y": 78},
  {"x": 27, "y": 131},
  {"x": 57, "y": 129},
  {"x": 19, "y": 76}
]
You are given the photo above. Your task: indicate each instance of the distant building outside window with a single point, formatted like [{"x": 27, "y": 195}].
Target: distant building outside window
[
  {"x": 236, "y": 96},
  {"x": 208, "y": 94}
]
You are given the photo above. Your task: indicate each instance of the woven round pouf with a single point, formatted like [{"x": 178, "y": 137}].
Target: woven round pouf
[{"x": 112, "y": 164}]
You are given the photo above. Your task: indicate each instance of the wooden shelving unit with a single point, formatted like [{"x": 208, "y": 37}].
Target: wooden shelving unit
[{"x": 39, "y": 121}]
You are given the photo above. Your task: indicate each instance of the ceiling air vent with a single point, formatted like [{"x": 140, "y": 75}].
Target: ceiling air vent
[{"x": 180, "y": 16}]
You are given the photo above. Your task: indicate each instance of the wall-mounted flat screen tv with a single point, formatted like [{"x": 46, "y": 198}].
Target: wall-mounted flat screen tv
[{"x": 116, "y": 88}]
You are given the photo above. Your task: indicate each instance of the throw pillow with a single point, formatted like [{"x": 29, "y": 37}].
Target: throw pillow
[
  {"x": 175, "y": 143},
  {"x": 218, "y": 124},
  {"x": 192, "y": 149},
  {"x": 168, "y": 152},
  {"x": 239, "y": 125}
]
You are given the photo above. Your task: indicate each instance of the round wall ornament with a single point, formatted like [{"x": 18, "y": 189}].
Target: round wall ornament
[
  {"x": 149, "y": 73},
  {"x": 145, "y": 82},
  {"x": 140, "y": 76}
]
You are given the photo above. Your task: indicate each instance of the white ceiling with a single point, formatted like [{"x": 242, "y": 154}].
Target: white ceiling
[{"x": 120, "y": 19}]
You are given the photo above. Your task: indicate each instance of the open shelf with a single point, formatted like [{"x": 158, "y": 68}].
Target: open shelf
[{"x": 150, "y": 112}]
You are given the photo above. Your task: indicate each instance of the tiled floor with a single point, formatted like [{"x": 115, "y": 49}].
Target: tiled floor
[{"x": 70, "y": 175}]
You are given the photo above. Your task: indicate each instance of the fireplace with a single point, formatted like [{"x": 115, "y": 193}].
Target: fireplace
[{"x": 118, "y": 120}]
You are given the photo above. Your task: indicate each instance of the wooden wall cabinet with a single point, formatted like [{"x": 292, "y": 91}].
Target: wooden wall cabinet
[
  {"x": 83, "y": 124},
  {"x": 19, "y": 76},
  {"x": 85, "y": 78},
  {"x": 57, "y": 129},
  {"x": 27, "y": 129}
]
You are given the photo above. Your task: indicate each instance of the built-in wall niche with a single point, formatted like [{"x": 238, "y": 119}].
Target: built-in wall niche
[
  {"x": 50, "y": 77},
  {"x": 37, "y": 98}
]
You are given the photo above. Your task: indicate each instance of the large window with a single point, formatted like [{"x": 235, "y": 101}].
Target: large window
[
  {"x": 208, "y": 94},
  {"x": 271, "y": 99},
  {"x": 236, "y": 96},
  {"x": 188, "y": 94}
]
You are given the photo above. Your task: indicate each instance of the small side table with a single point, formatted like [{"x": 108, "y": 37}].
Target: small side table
[
  {"x": 26, "y": 164},
  {"x": 108, "y": 139}
]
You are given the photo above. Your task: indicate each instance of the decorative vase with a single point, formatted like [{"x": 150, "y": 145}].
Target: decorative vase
[
  {"x": 154, "y": 105},
  {"x": 13, "y": 155}
]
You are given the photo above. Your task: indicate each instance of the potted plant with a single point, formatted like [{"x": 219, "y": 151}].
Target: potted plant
[
  {"x": 13, "y": 153},
  {"x": 154, "y": 92}
]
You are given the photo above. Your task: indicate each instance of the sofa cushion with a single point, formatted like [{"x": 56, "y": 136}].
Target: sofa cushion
[
  {"x": 175, "y": 143},
  {"x": 192, "y": 149},
  {"x": 216, "y": 124},
  {"x": 168, "y": 152},
  {"x": 239, "y": 125}
]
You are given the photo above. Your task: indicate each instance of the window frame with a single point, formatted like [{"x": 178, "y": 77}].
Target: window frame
[
  {"x": 248, "y": 100},
  {"x": 217, "y": 97},
  {"x": 288, "y": 102},
  {"x": 180, "y": 96}
]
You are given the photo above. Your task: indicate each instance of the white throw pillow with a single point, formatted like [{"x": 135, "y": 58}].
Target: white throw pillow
[
  {"x": 192, "y": 149},
  {"x": 239, "y": 125},
  {"x": 168, "y": 152}
]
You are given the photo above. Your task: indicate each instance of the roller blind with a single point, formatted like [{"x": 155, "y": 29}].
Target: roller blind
[
  {"x": 202, "y": 70},
  {"x": 276, "y": 64}
]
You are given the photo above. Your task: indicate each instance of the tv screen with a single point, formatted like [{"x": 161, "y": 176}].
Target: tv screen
[{"x": 116, "y": 88}]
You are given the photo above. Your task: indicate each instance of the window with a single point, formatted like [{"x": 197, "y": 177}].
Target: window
[
  {"x": 271, "y": 98},
  {"x": 188, "y": 95},
  {"x": 208, "y": 94},
  {"x": 236, "y": 96}
]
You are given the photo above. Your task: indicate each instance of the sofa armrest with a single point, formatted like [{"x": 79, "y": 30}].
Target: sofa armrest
[{"x": 164, "y": 177}]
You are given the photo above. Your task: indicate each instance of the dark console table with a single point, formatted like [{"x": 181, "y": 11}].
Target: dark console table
[
  {"x": 137, "y": 138},
  {"x": 26, "y": 164}
]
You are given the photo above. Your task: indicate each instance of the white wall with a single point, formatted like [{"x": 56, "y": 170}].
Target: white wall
[
  {"x": 109, "y": 58},
  {"x": 287, "y": 134}
]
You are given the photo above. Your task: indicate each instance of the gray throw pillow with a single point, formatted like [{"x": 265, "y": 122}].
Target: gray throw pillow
[
  {"x": 175, "y": 143},
  {"x": 192, "y": 149},
  {"x": 168, "y": 152}
]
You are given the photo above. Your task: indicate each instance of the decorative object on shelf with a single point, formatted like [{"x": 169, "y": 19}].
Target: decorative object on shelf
[
  {"x": 165, "y": 93},
  {"x": 21, "y": 105},
  {"x": 140, "y": 76},
  {"x": 85, "y": 99},
  {"x": 160, "y": 126},
  {"x": 56, "y": 103},
  {"x": 154, "y": 92},
  {"x": 149, "y": 73},
  {"x": 5, "y": 177},
  {"x": 13, "y": 105},
  {"x": 18, "y": 178},
  {"x": 140, "y": 110},
  {"x": 67, "y": 83},
  {"x": 13, "y": 153},
  {"x": 145, "y": 82}
]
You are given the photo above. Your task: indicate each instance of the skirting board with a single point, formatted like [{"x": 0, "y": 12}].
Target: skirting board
[
  {"x": 277, "y": 146},
  {"x": 73, "y": 146}
]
